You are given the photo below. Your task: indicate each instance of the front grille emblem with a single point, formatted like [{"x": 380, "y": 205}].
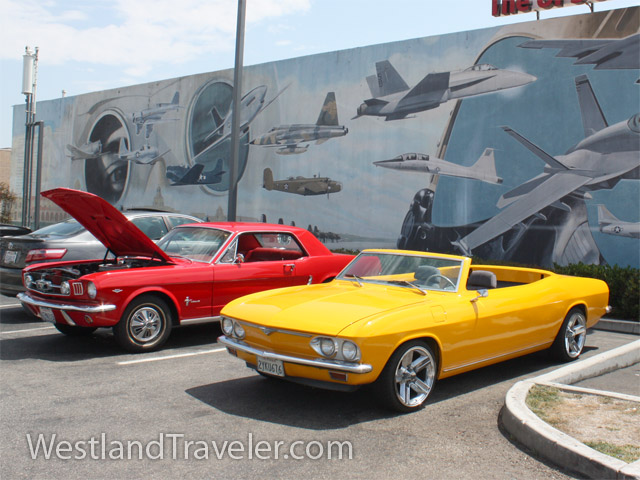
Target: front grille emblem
[{"x": 267, "y": 331}]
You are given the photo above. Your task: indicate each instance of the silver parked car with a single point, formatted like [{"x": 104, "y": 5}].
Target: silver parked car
[{"x": 69, "y": 240}]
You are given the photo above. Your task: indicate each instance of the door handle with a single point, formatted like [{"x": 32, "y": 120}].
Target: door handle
[{"x": 289, "y": 268}]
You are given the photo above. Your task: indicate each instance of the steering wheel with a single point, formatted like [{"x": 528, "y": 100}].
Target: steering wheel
[{"x": 438, "y": 275}]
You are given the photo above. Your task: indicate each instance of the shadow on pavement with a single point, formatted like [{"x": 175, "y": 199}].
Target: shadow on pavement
[{"x": 56, "y": 347}]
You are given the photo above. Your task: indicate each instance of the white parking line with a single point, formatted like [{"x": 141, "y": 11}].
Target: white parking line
[
  {"x": 29, "y": 329},
  {"x": 169, "y": 357},
  {"x": 11, "y": 305}
]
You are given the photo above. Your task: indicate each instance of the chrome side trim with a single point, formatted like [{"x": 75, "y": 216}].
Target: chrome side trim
[
  {"x": 318, "y": 363},
  {"x": 25, "y": 298},
  {"x": 197, "y": 321},
  {"x": 458, "y": 367},
  {"x": 269, "y": 330}
]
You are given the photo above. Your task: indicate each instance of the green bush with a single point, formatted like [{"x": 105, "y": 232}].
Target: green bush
[{"x": 623, "y": 282}]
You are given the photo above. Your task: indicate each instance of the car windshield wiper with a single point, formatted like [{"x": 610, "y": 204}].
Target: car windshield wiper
[
  {"x": 410, "y": 284},
  {"x": 355, "y": 277}
]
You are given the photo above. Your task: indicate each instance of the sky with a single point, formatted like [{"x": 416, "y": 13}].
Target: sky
[{"x": 92, "y": 45}]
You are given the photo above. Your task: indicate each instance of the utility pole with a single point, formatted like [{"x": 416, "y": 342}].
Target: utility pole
[{"x": 235, "y": 122}]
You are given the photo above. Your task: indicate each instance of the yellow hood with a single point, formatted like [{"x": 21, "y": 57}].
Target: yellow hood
[{"x": 324, "y": 309}]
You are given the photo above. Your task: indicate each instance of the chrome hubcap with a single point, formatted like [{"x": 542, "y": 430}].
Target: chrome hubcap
[
  {"x": 575, "y": 335},
  {"x": 414, "y": 377},
  {"x": 146, "y": 325}
]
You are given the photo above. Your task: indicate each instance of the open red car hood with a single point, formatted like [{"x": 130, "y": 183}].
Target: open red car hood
[{"x": 106, "y": 223}]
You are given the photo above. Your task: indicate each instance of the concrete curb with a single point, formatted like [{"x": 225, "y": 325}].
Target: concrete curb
[
  {"x": 620, "y": 326},
  {"x": 556, "y": 446}
]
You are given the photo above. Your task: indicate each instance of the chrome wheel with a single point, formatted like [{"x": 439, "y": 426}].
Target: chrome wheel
[
  {"x": 571, "y": 337},
  {"x": 146, "y": 324},
  {"x": 575, "y": 335},
  {"x": 414, "y": 376}
]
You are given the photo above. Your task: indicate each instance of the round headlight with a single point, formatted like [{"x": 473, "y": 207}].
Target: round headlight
[
  {"x": 227, "y": 326},
  {"x": 28, "y": 281},
  {"x": 238, "y": 330},
  {"x": 65, "y": 289},
  {"x": 327, "y": 347},
  {"x": 350, "y": 351},
  {"x": 92, "y": 291}
]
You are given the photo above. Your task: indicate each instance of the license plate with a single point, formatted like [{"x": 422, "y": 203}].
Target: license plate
[
  {"x": 10, "y": 256},
  {"x": 47, "y": 315},
  {"x": 272, "y": 367}
]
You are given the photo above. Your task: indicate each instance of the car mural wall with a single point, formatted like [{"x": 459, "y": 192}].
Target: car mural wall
[{"x": 546, "y": 132}]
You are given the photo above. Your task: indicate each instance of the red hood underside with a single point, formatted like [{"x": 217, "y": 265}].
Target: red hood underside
[{"x": 106, "y": 223}]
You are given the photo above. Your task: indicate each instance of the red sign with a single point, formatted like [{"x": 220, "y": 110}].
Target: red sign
[{"x": 511, "y": 7}]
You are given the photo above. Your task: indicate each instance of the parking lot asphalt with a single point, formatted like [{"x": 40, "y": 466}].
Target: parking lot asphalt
[{"x": 98, "y": 412}]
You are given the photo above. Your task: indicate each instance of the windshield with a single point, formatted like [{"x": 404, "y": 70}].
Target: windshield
[
  {"x": 63, "y": 229},
  {"x": 196, "y": 243},
  {"x": 424, "y": 272}
]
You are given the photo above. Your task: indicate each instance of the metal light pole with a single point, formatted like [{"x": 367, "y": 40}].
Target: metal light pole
[
  {"x": 29, "y": 74},
  {"x": 235, "y": 122}
]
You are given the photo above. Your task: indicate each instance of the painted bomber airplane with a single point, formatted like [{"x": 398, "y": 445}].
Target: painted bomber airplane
[
  {"x": 484, "y": 169},
  {"x": 393, "y": 99},
  {"x": 289, "y": 137},
  {"x": 607, "y": 154},
  {"x": 301, "y": 185}
]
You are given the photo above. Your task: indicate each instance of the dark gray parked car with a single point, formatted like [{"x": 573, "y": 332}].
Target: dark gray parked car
[{"x": 69, "y": 240}]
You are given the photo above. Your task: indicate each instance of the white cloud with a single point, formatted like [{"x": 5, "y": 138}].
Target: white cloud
[{"x": 132, "y": 34}]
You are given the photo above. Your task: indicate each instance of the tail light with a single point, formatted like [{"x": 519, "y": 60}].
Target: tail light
[{"x": 43, "y": 254}]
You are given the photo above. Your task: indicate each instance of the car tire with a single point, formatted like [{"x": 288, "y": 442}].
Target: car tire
[
  {"x": 74, "y": 331},
  {"x": 570, "y": 340},
  {"x": 408, "y": 377},
  {"x": 145, "y": 324}
]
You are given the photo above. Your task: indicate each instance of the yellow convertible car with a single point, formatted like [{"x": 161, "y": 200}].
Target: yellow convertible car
[{"x": 403, "y": 319}]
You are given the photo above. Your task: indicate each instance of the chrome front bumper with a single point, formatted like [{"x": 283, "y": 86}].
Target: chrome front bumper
[
  {"x": 107, "y": 307},
  {"x": 318, "y": 363}
]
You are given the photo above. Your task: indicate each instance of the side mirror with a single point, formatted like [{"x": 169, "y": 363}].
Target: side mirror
[
  {"x": 239, "y": 258},
  {"x": 484, "y": 293}
]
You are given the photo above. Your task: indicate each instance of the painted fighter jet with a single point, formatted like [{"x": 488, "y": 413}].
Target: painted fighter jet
[
  {"x": 393, "y": 99},
  {"x": 608, "y": 223},
  {"x": 145, "y": 155},
  {"x": 195, "y": 175},
  {"x": 86, "y": 151},
  {"x": 251, "y": 105},
  {"x": 289, "y": 137},
  {"x": 484, "y": 169},
  {"x": 149, "y": 117},
  {"x": 608, "y": 154},
  {"x": 605, "y": 54},
  {"x": 300, "y": 185}
]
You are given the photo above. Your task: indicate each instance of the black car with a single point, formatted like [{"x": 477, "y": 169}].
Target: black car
[
  {"x": 6, "y": 229},
  {"x": 69, "y": 240}
]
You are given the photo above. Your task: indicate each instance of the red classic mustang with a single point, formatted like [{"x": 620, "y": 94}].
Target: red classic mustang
[{"x": 142, "y": 290}]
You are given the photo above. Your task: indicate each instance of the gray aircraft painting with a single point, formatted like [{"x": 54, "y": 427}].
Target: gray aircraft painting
[
  {"x": 251, "y": 104},
  {"x": 149, "y": 117},
  {"x": 606, "y": 54},
  {"x": 484, "y": 169},
  {"x": 393, "y": 99},
  {"x": 300, "y": 185},
  {"x": 608, "y": 223},
  {"x": 86, "y": 151},
  {"x": 195, "y": 175},
  {"x": 145, "y": 155},
  {"x": 607, "y": 154},
  {"x": 290, "y": 137}
]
